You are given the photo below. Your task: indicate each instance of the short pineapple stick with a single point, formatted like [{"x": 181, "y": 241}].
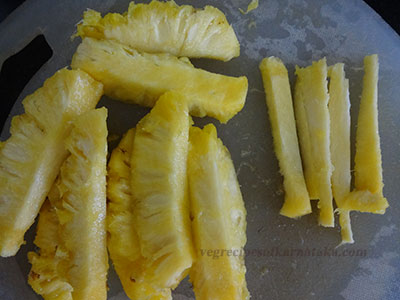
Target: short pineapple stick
[
  {"x": 339, "y": 113},
  {"x": 311, "y": 108},
  {"x": 281, "y": 115}
]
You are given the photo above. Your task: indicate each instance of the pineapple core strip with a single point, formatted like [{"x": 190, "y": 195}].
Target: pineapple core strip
[
  {"x": 368, "y": 161},
  {"x": 281, "y": 115},
  {"x": 72, "y": 244},
  {"x": 123, "y": 243},
  {"x": 339, "y": 113},
  {"x": 311, "y": 108},
  {"x": 219, "y": 219},
  {"x": 31, "y": 158},
  {"x": 159, "y": 189},
  {"x": 142, "y": 78},
  {"x": 165, "y": 27}
]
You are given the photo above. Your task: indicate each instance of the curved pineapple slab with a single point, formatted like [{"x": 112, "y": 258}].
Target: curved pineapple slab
[
  {"x": 159, "y": 189},
  {"x": 123, "y": 243},
  {"x": 31, "y": 158},
  {"x": 166, "y": 27},
  {"x": 77, "y": 254},
  {"x": 142, "y": 78},
  {"x": 219, "y": 219}
]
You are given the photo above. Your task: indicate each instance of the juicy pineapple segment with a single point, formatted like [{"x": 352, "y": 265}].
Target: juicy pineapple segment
[
  {"x": 311, "y": 107},
  {"x": 72, "y": 232},
  {"x": 166, "y": 27},
  {"x": 159, "y": 189},
  {"x": 142, "y": 78},
  {"x": 30, "y": 159},
  {"x": 123, "y": 243},
  {"x": 219, "y": 219},
  {"x": 339, "y": 113},
  {"x": 281, "y": 115},
  {"x": 365, "y": 201}
]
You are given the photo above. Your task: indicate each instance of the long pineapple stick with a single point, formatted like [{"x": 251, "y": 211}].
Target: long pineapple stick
[
  {"x": 339, "y": 113},
  {"x": 281, "y": 115},
  {"x": 311, "y": 108}
]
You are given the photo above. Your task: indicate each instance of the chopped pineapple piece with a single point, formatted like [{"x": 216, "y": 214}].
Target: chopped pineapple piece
[
  {"x": 159, "y": 189},
  {"x": 281, "y": 115},
  {"x": 365, "y": 201},
  {"x": 252, "y": 6},
  {"x": 219, "y": 219},
  {"x": 142, "y": 78},
  {"x": 311, "y": 108},
  {"x": 339, "y": 113},
  {"x": 166, "y": 27},
  {"x": 30, "y": 159},
  {"x": 74, "y": 252}
]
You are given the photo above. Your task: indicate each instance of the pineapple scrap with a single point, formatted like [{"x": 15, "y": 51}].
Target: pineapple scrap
[
  {"x": 252, "y": 6},
  {"x": 31, "y": 158},
  {"x": 280, "y": 108},
  {"x": 72, "y": 260},
  {"x": 312, "y": 115},
  {"x": 142, "y": 78},
  {"x": 165, "y": 27},
  {"x": 219, "y": 219}
]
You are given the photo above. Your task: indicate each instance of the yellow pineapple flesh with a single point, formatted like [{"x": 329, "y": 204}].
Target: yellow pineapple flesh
[
  {"x": 160, "y": 27},
  {"x": 281, "y": 114},
  {"x": 219, "y": 219},
  {"x": 31, "y": 158},
  {"x": 73, "y": 255},
  {"x": 142, "y": 78}
]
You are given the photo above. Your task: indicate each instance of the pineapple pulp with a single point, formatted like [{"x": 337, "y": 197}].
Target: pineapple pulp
[
  {"x": 142, "y": 78},
  {"x": 281, "y": 115},
  {"x": 31, "y": 158},
  {"x": 72, "y": 260},
  {"x": 160, "y": 27},
  {"x": 219, "y": 219}
]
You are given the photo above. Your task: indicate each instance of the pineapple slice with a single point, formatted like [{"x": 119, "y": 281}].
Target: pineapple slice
[
  {"x": 311, "y": 108},
  {"x": 30, "y": 159},
  {"x": 123, "y": 243},
  {"x": 339, "y": 113},
  {"x": 219, "y": 219},
  {"x": 142, "y": 78},
  {"x": 280, "y": 108},
  {"x": 166, "y": 27},
  {"x": 72, "y": 233},
  {"x": 159, "y": 189}
]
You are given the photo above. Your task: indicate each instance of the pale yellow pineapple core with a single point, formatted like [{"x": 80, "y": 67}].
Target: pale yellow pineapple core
[
  {"x": 165, "y": 27},
  {"x": 311, "y": 108},
  {"x": 219, "y": 219},
  {"x": 281, "y": 115},
  {"x": 72, "y": 261},
  {"x": 142, "y": 78},
  {"x": 31, "y": 158}
]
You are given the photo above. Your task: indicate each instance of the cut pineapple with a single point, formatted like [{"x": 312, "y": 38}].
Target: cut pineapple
[
  {"x": 159, "y": 189},
  {"x": 311, "y": 107},
  {"x": 123, "y": 243},
  {"x": 219, "y": 219},
  {"x": 339, "y": 113},
  {"x": 142, "y": 78},
  {"x": 365, "y": 201},
  {"x": 30, "y": 159},
  {"x": 72, "y": 260},
  {"x": 166, "y": 27},
  {"x": 280, "y": 108}
]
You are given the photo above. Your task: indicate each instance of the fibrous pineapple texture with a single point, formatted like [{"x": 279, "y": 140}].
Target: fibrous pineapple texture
[{"x": 31, "y": 158}]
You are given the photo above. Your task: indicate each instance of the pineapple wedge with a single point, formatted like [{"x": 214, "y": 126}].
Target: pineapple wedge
[
  {"x": 311, "y": 108},
  {"x": 72, "y": 260},
  {"x": 142, "y": 78},
  {"x": 159, "y": 189},
  {"x": 219, "y": 219},
  {"x": 339, "y": 113},
  {"x": 160, "y": 27},
  {"x": 123, "y": 243},
  {"x": 281, "y": 115},
  {"x": 31, "y": 158}
]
